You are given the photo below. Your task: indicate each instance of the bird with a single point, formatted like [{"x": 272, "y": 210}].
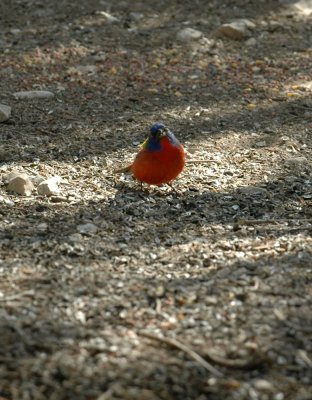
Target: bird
[{"x": 160, "y": 160}]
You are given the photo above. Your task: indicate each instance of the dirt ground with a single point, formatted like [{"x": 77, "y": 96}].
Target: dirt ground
[{"x": 108, "y": 291}]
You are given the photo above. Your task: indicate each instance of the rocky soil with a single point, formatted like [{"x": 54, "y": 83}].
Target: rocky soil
[{"x": 111, "y": 291}]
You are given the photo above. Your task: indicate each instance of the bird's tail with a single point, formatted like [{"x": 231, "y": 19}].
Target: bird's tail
[{"x": 123, "y": 170}]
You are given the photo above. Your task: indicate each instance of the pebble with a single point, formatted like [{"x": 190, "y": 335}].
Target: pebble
[
  {"x": 34, "y": 94},
  {"x": 109, "y": 18},
  {"x": 7, "y": 177},
  {"x": 306, "y": 85},
  {"x": 136, "y": 16},
  {"x": 234, "y": 30},
  {"x": 99, "y": 57},
  {"x": 290, "y": 178},
  {"x": 7, "y": 202},
  {"x": 37, "y": 179},
  {"x": 75, "y": 237},
  {"x": 160, "y": 291},
  {"x": 211, "y": 300},
  {"x": 49, "y": 187},
  {"x": 303, "y": 6},
  {"x": 249, "y": 24},
  {"x": 85, "y": 69},
  {"x": 251, "y": 42},
  {"x": 15, "y": 31},
  {"x": 42, "y": 227},
  {"x": 189, "y": 34},
  {"x": 58, "y": 199},
  {"x": 274, "y": 25},
  {"x": 263, "y": 143},
  {"x": 87, "y": 229},
  {"x": 21, "y": 184},
  {"x": 43, "y": 13},
  {"x": 237, "y": 29},
  {"x": 5, "y": 112},
  {"x": 252, "y": 190},
  {"x": 263, "y": 385},
  {"x": 300, "y": 161}
]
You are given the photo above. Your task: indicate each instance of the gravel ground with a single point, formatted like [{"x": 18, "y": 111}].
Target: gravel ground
[{"x": 113, "y": 291}]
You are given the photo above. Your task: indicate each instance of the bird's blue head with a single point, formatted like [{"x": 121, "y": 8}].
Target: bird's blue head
[{"x": 158, "y": 130}]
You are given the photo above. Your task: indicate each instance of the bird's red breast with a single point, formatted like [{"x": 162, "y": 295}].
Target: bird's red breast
[{"x": 159, "y": 166}]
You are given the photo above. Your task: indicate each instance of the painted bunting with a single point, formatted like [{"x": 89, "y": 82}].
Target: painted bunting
[{"x": 161, "y": 158}]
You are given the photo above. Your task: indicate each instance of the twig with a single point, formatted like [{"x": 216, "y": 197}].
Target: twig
[
  {"x": 272, "y": 221},
  {"x": 38, "y": 108},
  {"x": 44, "y": 131},
  {"x": 255, "y": 221},
  {"x": 291, "y": 229},
  {"x": 183, "y": 347},
  {"x": 17, "y": 295},
  {"x": 122, "y": 170},
  {"x": 258, "y": 361},
  {"x": 198, "y": 161}
]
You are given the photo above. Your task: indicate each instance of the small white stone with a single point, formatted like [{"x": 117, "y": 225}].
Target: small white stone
[
  {"x": 87, "y": 229},
  {"x": 274, "y": 25},
  {"x": 81, "y": 316},
  {"x": 263, "y": 385},
  {"x": 109, "y": 18},
  {"x": 136, "y": 16},
  {"x": 263, "y": 143},
  {"x": 5, "y": 112},
  {"x": 75, "y": 237},
  {"x": 7, "y": 202},
  {"x": 15, "y": 31},
  {"x": 251, "y": 42},
  {"x": 42, "y": 227},
  {"x": 255, "y": 69},
  {"x": 249, "y": 24},
  {"x": 83, "y": 69},
  {"x": 49, "y": 187},
  {"x": 21, "y": 184},
  {"x": 189, "y": 34},
  {"x": 34, "y": 94},
  {"x": 306, "y": 85},
  {"x": 87, "y": 69}
]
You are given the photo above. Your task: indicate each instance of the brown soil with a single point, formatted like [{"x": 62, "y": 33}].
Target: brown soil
[{"x": 222, "y": 266}]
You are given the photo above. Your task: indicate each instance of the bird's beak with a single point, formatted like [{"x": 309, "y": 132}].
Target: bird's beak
[{"x": 163, "y": 132}]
